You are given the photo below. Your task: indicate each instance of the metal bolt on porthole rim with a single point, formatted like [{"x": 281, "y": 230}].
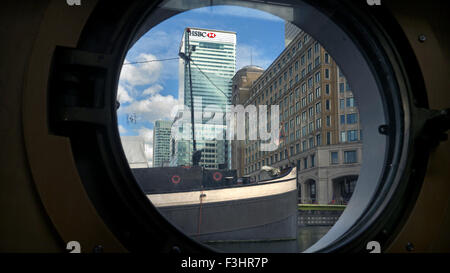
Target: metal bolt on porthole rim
[
  {"x": 409, "y": 247},
  {"x": 98, "y": 249},
  {"x": 422, "y": 38}
]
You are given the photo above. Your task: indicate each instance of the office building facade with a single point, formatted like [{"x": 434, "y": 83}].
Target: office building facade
[
  {"x": 212, "y": 66},
  {"x": 242, "y": 82},
  {"x": 319, "y": 123},
  {"x": 161, "y": 143}
]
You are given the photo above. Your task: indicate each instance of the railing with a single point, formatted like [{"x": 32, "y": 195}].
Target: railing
[
  {"x": 318, "y": 215},
  {"x": 316, "y": 202}
]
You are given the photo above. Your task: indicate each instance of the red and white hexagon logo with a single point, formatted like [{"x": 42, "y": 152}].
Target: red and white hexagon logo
[{"x": 211, "y": 35}]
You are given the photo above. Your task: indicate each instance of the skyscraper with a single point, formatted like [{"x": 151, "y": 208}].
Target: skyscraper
[
  {"x": 212, "y": 66},
  {"x": 161, "y": 142}
]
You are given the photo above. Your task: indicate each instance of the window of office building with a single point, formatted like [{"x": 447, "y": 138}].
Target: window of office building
[
  {"x": 328, "y": 138},
  {"x": 318, "y": 92},
  {"x": 318, "y": 107},
  {"x": 334, "y": 157},
  {"x": 350, "y": 157},
  {"x": 350, "y": 102},
  {"x": 342, "y": 119},
  {"x": 317, "y": 61},
  {"x": 343, "y": 137},
  {"x": 317, "y": 76},
  {"x": 352, "y": 135},
  {"x": 319, "y": 123},
  {"x": 311, "y": 142},
  {"x": 352, "y": 118},
  {"x": 341, "y": 104}
]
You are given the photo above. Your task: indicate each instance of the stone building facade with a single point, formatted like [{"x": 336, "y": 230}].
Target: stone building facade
[{"x": 319, "y": 123}]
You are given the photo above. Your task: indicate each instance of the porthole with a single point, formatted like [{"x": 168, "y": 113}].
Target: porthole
[{"x": 384, "y": 80}]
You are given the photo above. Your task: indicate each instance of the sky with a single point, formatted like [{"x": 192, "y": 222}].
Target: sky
[{"x": 150, "y": 90}]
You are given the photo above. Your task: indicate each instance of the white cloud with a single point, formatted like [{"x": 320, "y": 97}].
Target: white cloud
[
  {"x": 122, "y": 94},
  {"x": 162, "y": 45},
  {"x": 154, "y": 107},
  {"x": 152, "y": 90},
  {"x": 141, "y": 73}
]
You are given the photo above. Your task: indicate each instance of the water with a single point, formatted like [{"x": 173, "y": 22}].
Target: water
[{"x": 307, "y": 236}]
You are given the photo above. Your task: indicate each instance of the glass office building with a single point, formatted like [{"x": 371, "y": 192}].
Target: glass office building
[
  {"x": 213, "y": 65},
  {"x": 161, "y": 143}
]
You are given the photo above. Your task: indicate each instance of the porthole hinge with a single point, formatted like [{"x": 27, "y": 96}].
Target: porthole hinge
[{"x": 78, "y": 85}]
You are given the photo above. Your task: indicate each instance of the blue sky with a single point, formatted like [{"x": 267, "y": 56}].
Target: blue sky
[{"x": 150, "y": 90}]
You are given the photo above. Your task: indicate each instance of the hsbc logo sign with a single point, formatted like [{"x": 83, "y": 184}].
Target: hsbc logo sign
[{"x": 202, "y": 34}]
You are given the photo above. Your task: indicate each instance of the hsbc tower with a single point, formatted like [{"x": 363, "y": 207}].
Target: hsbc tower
[{"x": 213, "y": 65}]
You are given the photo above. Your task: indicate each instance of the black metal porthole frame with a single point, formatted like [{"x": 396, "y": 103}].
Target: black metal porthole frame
[{"x": 82, "y": 99}]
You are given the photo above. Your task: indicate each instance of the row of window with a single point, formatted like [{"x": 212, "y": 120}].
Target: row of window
[
  {"x": 351, "y": 119},
  {"x": 349, "y": 157},
  {"x": 283, "y": 89},
  {"x": 279, "y": 65},
  {"x": 349, "y": 102},
  {"x": 305, "y": 145},
  {"x": 350, "y": 136},
  {"x": 345, "y": 136}
]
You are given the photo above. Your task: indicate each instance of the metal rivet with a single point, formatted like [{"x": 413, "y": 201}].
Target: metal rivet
[
  {"x": 409, "y": 247},
  {"x": 176, "y": 249},
  {"x": 422, "y": 38},
  {"x": 98, "y": 249}
]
